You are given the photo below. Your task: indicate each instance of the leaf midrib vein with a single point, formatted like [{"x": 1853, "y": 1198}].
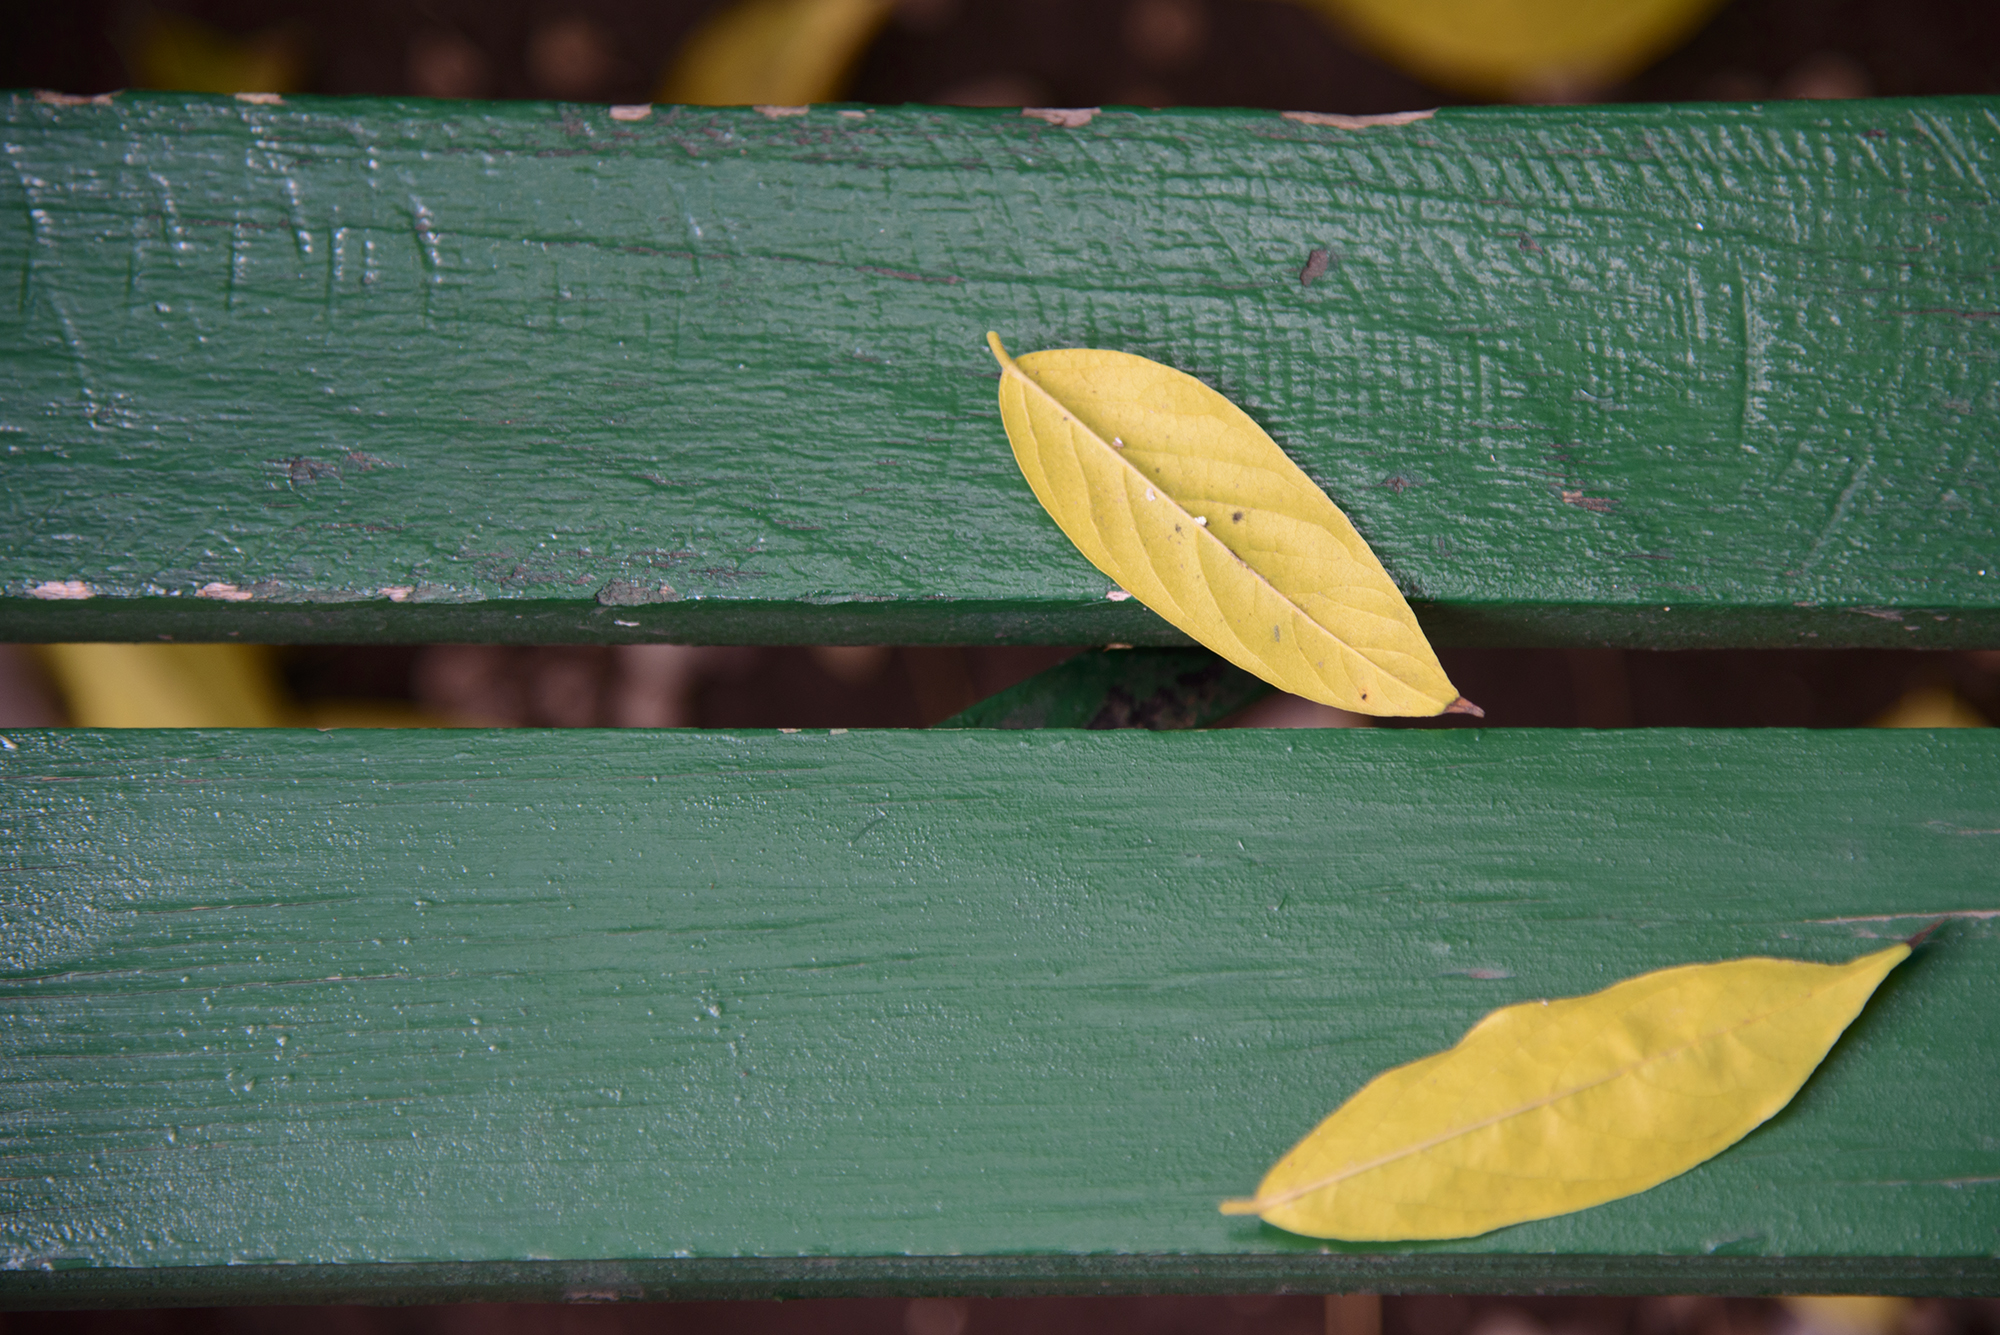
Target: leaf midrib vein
[
  {"x": 1201, "y": 529},
  {"x": 1333, "y": 1179}
]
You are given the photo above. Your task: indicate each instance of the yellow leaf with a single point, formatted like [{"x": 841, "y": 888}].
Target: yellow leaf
[
  {"x": 779, "y": 53},
  {"x": 1843, "y": 1315},
  {"x": 1553, "y": 1106},
  {"x": 1931, "y": 707},
  {"x": 189, "y": 56},
  {"x": 1533, "y": 50},
  {"x": 168, "y": 685},
  {"x": 1171, "y": 490}
]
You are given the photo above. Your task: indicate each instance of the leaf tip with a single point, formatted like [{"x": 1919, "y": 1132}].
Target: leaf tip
[
  {"x": 1464, "y": 706},
  {"x": 1241, "y": 1207},
  {"x": 1925, "y": 935},
  {"x": 999, "y": 352}
]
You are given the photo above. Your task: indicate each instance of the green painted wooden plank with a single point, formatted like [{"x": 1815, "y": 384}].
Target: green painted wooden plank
[
  {"x": 1644, "y": 375},
  {"x": 899, "y": 1011},
  {"x": 1121, "y": 688}
]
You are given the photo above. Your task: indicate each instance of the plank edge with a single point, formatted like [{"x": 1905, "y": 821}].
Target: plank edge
[{"x": 699, "y": 1279}]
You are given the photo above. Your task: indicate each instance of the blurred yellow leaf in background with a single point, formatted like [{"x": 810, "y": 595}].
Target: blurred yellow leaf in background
[
  {"x": 1931, "y": 707},
  {"x": 1849, "y": 1315},
  {"x": 167, "y": 685},
  {"x": 1520, "y": 50},
  {"x": 202, "y": 686},
  {"x": 167, "y": 51},
  {"x": 773, "y": 52}
]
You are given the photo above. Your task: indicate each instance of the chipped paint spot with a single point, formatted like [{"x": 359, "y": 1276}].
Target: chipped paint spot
[
  {"x": 778, "y": 113},
  {"x": 634, "y": 112},
  {"x": 630, "y": 593},
  {"x": 261, "y": 99},
  {"x": 224, "y": 593},
  {"x": 48, "y": 97},
  {"x": 397, "y": 593},
  {"x": 1594, "y": 504},
  {"x": 1069, "y": 118},
  {"x": 629, "y": 625},
  {"x": 1316, "y": 262},
  {"x": 1118, "y": 595},
  {"x": 1335, "y": 121},
  {"x": 854, "y": 115},
  {"x": 836, "y": 732},
  {"x": 788, "y": 730},
  {"x": 62, "y": 590}
]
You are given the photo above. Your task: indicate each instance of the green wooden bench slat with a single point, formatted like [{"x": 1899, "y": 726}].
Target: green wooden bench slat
[
  {"x": 406, "y": 370},
  {"x": 289, "y": 1013}
]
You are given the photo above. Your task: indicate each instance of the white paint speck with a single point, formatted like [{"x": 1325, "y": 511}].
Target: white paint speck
[
  {"x": 1202, "y": 520},
  {"x": 1118, "y": 595},
  {"x": 1150, "y": 495}
]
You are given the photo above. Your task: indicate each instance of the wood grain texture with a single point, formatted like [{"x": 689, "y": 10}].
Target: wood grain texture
[
  {"x": 993, "y": 1011},
  {"x": 401, "y": 370}
]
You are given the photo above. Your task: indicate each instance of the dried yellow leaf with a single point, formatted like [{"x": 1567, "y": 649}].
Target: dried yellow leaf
[
  {"x": 1554, "y": 1106},
  {"x": 1523, "y": 49},
  {"x": 776, "y": 53},
  {"x": 1175, "y": 493}
]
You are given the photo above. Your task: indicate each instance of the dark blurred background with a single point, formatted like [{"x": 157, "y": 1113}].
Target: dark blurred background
[
  {"x": 1266, "y": 53},
  {"x": 1284, "y": 54},
  {"x": 1261, "y": 53}
]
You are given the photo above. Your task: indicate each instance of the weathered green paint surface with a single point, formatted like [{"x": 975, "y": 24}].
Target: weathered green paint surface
[
  {"x": 1121, "y": 688},
  {"x": 1665, "y": 376},
  {"x": 695, "y": 1013}
]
